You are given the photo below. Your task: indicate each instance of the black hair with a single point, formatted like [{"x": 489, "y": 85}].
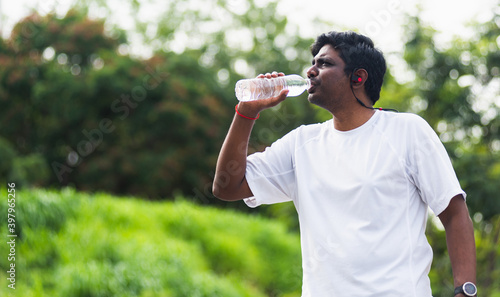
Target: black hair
[{"x": 358, "y": 52}]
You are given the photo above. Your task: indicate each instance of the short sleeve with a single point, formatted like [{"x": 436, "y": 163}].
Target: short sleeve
[
  {"x": 271, "y": 174},
  {"x": 430, "y": 167}
]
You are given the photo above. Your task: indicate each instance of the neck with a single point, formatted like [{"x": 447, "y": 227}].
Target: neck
[
  {"x": 352, "y": 117},
  {"x": 346, "y": 122}
]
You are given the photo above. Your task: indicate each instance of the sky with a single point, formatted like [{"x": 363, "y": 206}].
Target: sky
[
  {"x": 379, "y": 19},
  {"x": 376, "y": 18}
]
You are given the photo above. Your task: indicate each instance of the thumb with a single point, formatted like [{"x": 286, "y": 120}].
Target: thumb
[
  {"x": 273, "y": 101},
  {"x": 282, "y": 95}
]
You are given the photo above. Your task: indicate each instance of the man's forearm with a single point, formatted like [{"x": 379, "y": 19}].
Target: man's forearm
[
  {"x": 231, "y": 164},
  {"x": 460, "y": 241}
]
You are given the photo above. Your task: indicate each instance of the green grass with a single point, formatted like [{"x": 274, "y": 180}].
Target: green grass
[{"x": 75, "y": 244}]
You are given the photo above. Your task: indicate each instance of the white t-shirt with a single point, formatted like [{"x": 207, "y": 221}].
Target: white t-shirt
[{"x": 362, "y": 198}]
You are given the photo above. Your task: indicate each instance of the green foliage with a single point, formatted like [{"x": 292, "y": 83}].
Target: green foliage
[
  {"x": 440, "y": 274},
  {"x": 78, "y": 110},
  {"x": 445, "y": 100},
  {"x": 23, "y": 170},
  {"x": 75, "y": 244},
  {"x": 7, "y": 155},
  {"x": 457, "y": 86},
  {"x": 488, "y": 255},
  {"x": 74, "y": 35},
  {"x": 479, "y": 173},
  {"x": 487, "y": 236}
]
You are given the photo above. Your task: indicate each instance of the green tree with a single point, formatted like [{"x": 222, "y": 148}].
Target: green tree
[
  {"x": 101, "y": 119},
  {"x": 458, "y": 85}
]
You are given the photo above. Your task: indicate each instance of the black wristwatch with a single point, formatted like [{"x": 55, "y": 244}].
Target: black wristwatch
[{"x": 468, "y": 289}]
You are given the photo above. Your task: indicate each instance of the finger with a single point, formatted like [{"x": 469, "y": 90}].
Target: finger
[
  {"x": 283, "y": 94},
  {"x": 278, "y": 99},
  {"x": 271, "y": 75}
]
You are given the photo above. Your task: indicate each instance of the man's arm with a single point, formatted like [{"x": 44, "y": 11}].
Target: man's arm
[
  {"x": 460, "y": 241},
  {"x": 229, "y": 181}
]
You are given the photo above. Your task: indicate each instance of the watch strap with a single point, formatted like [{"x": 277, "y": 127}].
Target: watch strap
[{"x": 460, "y": 289}]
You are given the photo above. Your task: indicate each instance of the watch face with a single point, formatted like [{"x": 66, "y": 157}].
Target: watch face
[{"x": 469, "y": 289}]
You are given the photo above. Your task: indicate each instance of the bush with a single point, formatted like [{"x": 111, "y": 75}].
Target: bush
[{"x": 75, "y": 244}]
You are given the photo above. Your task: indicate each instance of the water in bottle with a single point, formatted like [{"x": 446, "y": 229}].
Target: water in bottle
[{"x": 262, "y": 88}]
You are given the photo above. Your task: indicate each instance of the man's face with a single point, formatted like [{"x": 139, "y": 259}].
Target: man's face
[{"x": 329, "y": 83}]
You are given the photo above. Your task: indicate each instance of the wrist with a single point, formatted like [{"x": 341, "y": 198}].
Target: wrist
[
  {"x": 246, "y": 111},
  {"x": 466, "y": 290}
]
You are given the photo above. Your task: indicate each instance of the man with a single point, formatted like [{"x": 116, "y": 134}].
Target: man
[{"x": 361, "y": 182}]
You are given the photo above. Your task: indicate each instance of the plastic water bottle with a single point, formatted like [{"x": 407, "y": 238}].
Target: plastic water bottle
[{"x": 262, "y": 88}]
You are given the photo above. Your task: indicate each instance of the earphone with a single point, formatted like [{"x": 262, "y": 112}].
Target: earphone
[{"x": 357, "y": 79}]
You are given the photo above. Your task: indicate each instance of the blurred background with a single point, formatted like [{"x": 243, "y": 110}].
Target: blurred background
[{"x": 112, "y": 114}]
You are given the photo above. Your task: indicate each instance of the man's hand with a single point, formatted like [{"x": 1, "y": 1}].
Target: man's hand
[{"x": 253, "y": 108}]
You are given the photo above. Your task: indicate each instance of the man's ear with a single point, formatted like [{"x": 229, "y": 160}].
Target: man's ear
[{"x": 359, "y": 76}]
